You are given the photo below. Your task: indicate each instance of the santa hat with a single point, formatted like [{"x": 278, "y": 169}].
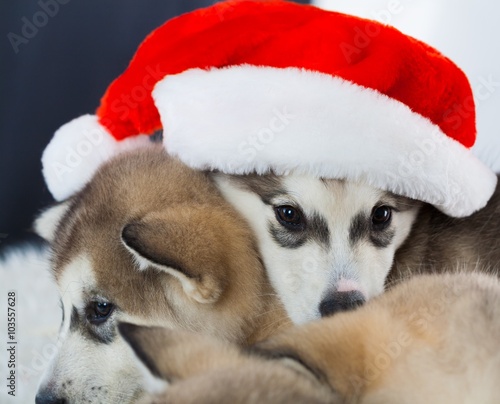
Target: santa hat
[{"x": 260, "y": 86}]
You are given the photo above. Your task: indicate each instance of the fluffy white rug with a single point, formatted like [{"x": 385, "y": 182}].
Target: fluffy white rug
[{"x": 38, "y": 317}]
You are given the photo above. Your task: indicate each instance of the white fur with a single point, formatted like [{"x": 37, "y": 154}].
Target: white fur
[
  {"x": 46, "y": 224},
  {"x": 319, "y": 125},
  {"x": 77, "y": 278},
  {"x": 302, "y": 277},
  {"x": 77, "y": 150},
  {"x": 98, "y": 372},
  {"x": 89, "y": 365}
]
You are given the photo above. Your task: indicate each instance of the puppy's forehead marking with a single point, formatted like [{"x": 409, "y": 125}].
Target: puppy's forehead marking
[
  {"x": 319, "y": 226},
  {"x": 75, "y": 278},
  {"x": 359, "y": 228},
  {"x": 78, "y": 290},
  {"x": 337, "y": 200}
]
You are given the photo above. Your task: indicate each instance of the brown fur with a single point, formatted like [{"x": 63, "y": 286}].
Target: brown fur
[
  {"x": 435, "y": 338},
  {"x": 206, "y": 370},
  {"x": 440, "y": 243},
  {"x": 151, "y": 241},
  {"x": 179, "y": 215}
]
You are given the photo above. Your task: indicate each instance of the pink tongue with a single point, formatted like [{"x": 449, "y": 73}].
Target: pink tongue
[{"x": 347, "y": 285}]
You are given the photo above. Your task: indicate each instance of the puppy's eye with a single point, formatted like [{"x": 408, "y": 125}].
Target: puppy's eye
[
  {"x": 289, "y": 216},
  {"x": 381, "y": 216},
  {"x": 99, "y": 312}
]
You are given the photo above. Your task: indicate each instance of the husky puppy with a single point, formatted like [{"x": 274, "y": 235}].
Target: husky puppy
[
  {"x": 433, "y": 339},
  {"x": 330, "y": 245},
  {"x": 182, "y": 367},
  {"x": 151, "y": 241}
]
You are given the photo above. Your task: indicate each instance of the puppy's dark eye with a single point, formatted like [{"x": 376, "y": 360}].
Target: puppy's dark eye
[
  {"x": 99, "y": 312},
  {"x": 381, "y": 216},
  {"x": 289, "y": 216}
]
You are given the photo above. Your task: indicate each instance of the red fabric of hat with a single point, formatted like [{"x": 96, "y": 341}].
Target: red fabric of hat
[{"x": 259, "y": 86}]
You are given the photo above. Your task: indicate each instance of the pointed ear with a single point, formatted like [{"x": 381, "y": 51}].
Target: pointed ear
[
  {"x": 184, "y": 245},
  {"x": 47, "y": 222},
  {"x": 174, "y": 355}
]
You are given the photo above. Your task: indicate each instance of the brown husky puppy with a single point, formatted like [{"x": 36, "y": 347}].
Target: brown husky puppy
[
  {"x": 432, "y": 339},
  {"x": 151, "y": 241}
]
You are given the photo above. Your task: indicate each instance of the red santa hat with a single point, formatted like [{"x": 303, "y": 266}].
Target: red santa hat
[{"x": 260, "y": 86}]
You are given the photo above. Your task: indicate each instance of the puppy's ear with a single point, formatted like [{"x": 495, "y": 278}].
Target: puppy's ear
[
  {"x": 204, "y": 369},
  {"x": 174, "y": 355},
  {"x": 46, "y": 223},
  {"x": 183, "y": 244},
  {"x": 147, "y": 348},
  {"x": 286, "y": 356}
]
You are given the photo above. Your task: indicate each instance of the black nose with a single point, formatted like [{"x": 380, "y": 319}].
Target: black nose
[
  {"x": 340, "y": 301},
  {"x": 47, "y": 397}
]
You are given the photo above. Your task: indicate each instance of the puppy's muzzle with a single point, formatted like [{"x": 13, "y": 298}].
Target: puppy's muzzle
[
  {"x": 340, "y": 301},
  {"x": 45, "y": 396}
]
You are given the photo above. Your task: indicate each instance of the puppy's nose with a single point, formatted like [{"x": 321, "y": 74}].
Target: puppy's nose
[
  {"x": 340, "y": 301},
  {"x": 47, "y": 397}
]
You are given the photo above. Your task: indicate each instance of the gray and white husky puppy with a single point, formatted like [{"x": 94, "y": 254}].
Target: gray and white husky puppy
[{"x": 330, "y": 245}]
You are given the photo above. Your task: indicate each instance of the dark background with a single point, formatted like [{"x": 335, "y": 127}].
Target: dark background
[{"x": 59, "y": 74}]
